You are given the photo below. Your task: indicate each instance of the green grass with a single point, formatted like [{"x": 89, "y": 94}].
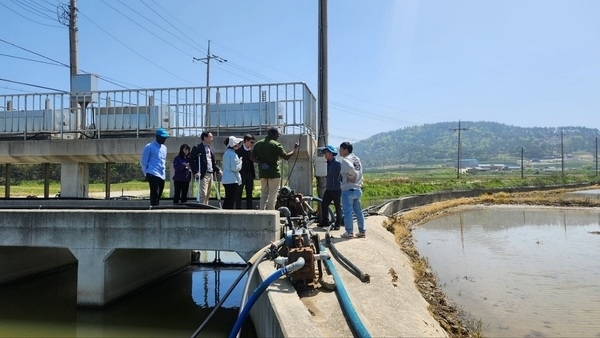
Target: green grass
[
  {"x": 381, "y": 185},
  {"x": 34, "y": 188}
]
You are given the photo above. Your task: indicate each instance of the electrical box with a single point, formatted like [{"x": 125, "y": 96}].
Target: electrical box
[
  {"x": 320, "y": 163},
  {"x": 84, "y": 88}
]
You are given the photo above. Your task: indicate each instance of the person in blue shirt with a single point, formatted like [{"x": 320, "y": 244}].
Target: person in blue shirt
[
  {"x": 153, "y": 162},
  {"x": 183, "y": 174},
  {"x": 333, "y": 190}
]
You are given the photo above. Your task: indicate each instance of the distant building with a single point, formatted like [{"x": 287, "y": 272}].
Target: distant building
[{"x": 467, "y": 163}]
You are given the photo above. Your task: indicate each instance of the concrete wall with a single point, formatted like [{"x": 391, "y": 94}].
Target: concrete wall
[
  {"x": 101, "y": 241},
  {"x": 18, "y": 262}
]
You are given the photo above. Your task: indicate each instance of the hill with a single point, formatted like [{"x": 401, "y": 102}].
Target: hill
[{"x": 488, "y": 142}]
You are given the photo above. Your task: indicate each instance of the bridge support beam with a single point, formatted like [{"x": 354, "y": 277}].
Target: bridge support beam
[
  {"x": 74, "y": 179},
  {"x": 106, "y": 275}
]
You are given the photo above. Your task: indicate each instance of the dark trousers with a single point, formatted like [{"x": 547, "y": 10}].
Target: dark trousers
[
  {"x": 248, "y": 185},
  {"x": 331, "y": 196},
  {"x": 157, "y": 185},
  {"x": 230, "y": 195},
  {"x": 181, "y": 191}
]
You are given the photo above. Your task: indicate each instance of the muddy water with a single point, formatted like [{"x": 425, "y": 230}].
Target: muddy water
[
  {"x": 521, "y": 271},
  {"x": 46, "y": 306}
]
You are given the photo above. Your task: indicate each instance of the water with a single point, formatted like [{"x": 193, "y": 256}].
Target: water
[
  {"x": 522, "y": 271},
  {"x": 174, "y": 307}
]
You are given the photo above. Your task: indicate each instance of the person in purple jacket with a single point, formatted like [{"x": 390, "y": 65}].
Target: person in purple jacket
[{"x": 183, "y": 174}]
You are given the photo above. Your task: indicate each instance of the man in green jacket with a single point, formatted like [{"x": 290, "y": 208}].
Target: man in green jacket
[{"x": 267, "y": 153}]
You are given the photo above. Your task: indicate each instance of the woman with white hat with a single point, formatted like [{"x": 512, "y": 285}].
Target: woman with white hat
[{"x": 232, "y": 165}]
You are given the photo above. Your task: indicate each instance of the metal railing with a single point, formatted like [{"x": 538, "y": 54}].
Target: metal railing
[{"x": 138, "y": 112}]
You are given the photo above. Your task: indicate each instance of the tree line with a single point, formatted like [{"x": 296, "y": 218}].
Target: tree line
[
  {"x": 485, "y": 141},
  {"x": 119, "y": 172}
]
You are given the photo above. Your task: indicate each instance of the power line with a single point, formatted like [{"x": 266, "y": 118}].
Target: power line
[
  {"x": 21, "y": 15},
  {"x": 133, "y": 50},
  {"x": 32, "y": 85},
  {"x": 33, "y": 10},
  {"x": 144, "y": 28},
  {"x": 32, "y": 52},
  {"x": 28, "y": 59}
]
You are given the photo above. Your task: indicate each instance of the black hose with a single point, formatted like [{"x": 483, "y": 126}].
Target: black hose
[
  {"x": 212, "y": 313},
  {"x": 353, "y": 269}
]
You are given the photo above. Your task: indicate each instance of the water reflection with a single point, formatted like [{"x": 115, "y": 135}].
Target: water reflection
[
  {"x": 175, "y": 307},
  {"x": 523, "y": 271}
]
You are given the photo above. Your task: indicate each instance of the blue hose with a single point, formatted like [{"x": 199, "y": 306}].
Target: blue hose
[
  {"x": 259, "y": 290},
  {"x": 356, "y": 325}
]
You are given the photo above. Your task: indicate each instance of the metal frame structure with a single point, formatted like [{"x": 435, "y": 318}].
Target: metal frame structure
[{"x": 136, "y": 113}]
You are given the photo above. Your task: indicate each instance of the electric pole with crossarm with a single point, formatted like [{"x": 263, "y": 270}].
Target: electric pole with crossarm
[
  {"x": 458, "y": 157},
  {"x": 206, "y": 60}
]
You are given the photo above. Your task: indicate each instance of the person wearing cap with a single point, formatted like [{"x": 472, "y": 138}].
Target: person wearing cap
[
  {"x": 351, "y": 173},
  {"x": 247, "y": 172},
  {"x": 153, "y": 162},
  {"x": 333, "y": 190},
  {"x": 204, "y": 164},
  {"x": 267, "y": 153},
  {"x": 232, "y": 164}
]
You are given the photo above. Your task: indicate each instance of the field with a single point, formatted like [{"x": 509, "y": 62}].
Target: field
[{"x": 384, "y": 184}]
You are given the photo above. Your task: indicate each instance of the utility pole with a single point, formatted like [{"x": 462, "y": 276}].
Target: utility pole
[
  {"x": 323, "y": 116},
  {"x": 73, "y": 38},
  {"x": 206, "y": 60},
  {"x": 323, "y": 100},
  {"x": 596, "y": 155},
  {"x": 458, "y": 156},
  {"x": 522, "y": 169},
  {"x": 562, "y": 155}
]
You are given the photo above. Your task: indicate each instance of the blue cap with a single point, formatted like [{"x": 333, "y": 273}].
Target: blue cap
[
  {"x": 162, "y": 132},
  {"x": 331, "y": 149}
]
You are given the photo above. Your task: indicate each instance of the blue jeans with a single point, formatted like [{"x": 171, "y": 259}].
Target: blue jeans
[{"x": 351, "y": 204}]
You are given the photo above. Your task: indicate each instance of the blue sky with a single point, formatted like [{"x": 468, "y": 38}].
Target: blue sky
[{"x": 392, "y": 63}]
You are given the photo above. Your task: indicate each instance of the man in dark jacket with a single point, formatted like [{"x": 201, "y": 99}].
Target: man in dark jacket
[
  {"x": 203, "y": 164},
  {"x": 247, "y": 172},
  {"x": 333, "y": 190}
]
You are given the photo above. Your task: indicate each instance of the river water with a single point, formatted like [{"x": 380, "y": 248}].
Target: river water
[
  {"x": 46, "y": 306},
  {"x": 520, "y": 271}
]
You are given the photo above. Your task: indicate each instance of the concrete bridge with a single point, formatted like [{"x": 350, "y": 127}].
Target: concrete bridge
[
  {"x": 75, "y": 156},
  {"x": 90, "y": 126},
  {"x": 118, "y": 251}
]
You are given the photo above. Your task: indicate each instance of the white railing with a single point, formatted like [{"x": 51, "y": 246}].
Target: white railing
[{"x": 137, "y": 113}]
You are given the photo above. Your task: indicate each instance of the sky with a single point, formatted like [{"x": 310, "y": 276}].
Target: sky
[{"x": 392, "y": 64}]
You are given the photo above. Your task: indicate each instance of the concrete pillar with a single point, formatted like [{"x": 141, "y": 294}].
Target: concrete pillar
[
  {"x": 302, "y": 175},
  {"x": 7, "y": 180},
  {"x": 74, "y": 179},
  {"x": 90, "y": 275},
  {"x": 105, "y": 275}
]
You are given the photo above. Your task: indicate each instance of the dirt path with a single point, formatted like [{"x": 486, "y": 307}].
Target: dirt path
[{"x": 118, "y": 193}]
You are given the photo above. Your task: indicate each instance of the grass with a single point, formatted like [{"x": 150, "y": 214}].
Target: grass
[
  {"x": 34, "y": 188},
  {"x": 379, "y": 185}
]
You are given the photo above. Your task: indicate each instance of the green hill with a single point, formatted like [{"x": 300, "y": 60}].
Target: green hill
[{"x": 488, "y": 142}]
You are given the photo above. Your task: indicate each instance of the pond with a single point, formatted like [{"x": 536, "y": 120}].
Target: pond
[{"x": 519, "y": 270}]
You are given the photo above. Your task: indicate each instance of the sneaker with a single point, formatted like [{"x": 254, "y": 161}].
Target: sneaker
[
  {"x": 361, "y": 234},
  {"x": 336, "y": 227},
  {"x": 347, "y": 235}
]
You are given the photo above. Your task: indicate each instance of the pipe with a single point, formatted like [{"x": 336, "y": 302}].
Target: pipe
[
  {"x": 263, "y": 253},
  {"x": 288, "y": 216},
  {"x": 214, "y": 310},
  {"x": 356, "y": 325},
  {"x": 364, "y": 277},
  {"x": 298, "y": 264}
]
